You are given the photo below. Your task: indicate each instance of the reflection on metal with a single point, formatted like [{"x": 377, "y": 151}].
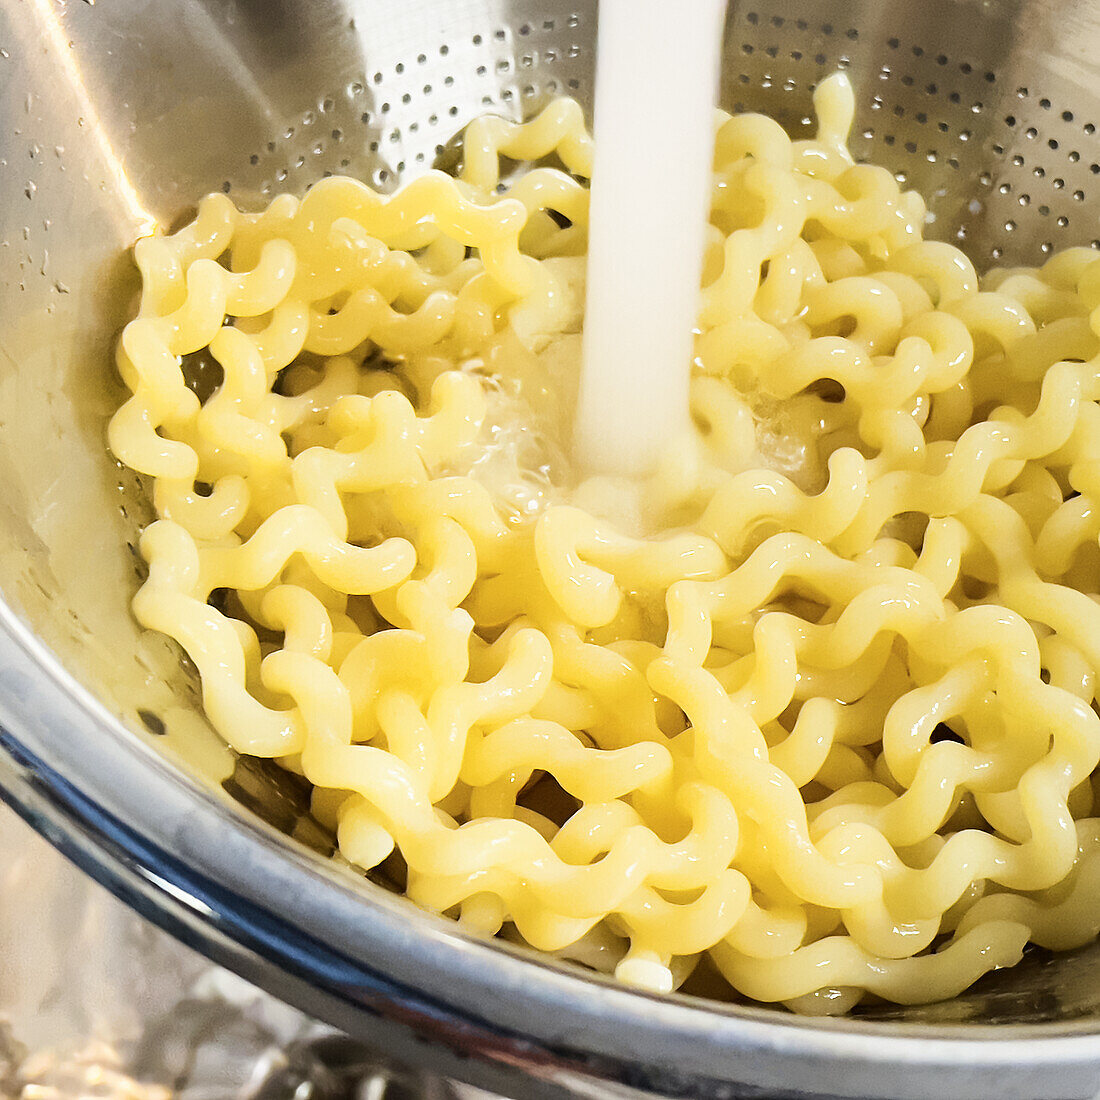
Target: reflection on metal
[
  {"x": 102, "y": 1006},
  {"x": 59, "y": 49},
  {"x": 279, "y": 797}
]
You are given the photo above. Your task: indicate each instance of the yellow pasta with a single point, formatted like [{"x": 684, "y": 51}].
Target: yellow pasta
[{"x": 823, "y": 715}]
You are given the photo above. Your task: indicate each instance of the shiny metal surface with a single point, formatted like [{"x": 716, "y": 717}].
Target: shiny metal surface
[
  {"x": 97, "y": 1004},
  {"x": 116, "y": 116}
]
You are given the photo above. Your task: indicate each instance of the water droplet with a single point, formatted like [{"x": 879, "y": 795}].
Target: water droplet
[
  {"x": 4, "y": 54},
  {"x": 60, "y": 287},
  {"x": 30, "y": 189}
]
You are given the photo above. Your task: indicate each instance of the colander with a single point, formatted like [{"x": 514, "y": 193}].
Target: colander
[{"x": 117, "y": 115}]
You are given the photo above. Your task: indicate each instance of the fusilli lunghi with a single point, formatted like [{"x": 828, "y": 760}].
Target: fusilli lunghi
[{"x": 830, "y": 721}]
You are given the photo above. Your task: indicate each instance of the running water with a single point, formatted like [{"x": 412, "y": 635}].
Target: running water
[{"x": 656, "y": 86}]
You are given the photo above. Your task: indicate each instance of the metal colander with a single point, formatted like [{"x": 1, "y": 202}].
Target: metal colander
[{"x": 118, "y": 114}]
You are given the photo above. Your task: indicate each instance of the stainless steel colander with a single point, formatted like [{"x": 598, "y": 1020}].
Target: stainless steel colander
[{"x": 118, "y": 115}]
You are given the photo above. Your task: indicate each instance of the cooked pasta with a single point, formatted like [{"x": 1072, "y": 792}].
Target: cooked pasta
[{"x": 823, "y": 710}]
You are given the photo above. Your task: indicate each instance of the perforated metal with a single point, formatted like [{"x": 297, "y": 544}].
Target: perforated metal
[
  {"x": 966, "y": 103},
  {"x": 1000, "y": 140},
  {"x": 400, "y": 113}
]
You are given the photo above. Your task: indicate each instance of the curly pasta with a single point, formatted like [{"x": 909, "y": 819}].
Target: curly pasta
[{"x": 829, "y": 720}]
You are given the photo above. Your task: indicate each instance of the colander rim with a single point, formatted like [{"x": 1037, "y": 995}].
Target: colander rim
[{"x": 220, "y": 882}]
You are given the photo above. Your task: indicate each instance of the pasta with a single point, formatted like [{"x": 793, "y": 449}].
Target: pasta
[{"x": 822, "y": 712}]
